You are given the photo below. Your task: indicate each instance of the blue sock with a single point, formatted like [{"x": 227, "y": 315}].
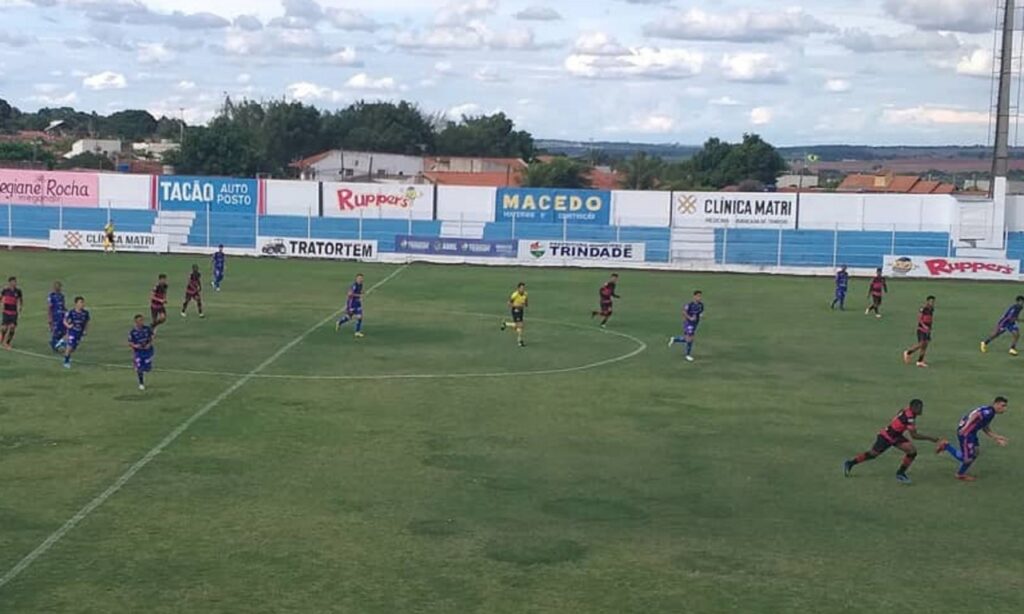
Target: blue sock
[
  {"x": 954, "y": 452},
  {"x": 963, "y": 468},
  {"x": 67, "y": 360},
  {"x": 343, "y": 320},
  {"x": 689, "y": 347},
  {"x": 142, "y": 379},
  {"x": 359, "y": 325}
]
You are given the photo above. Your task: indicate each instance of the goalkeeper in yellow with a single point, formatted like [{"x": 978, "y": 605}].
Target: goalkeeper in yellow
[
  {"x": 517, "y": 304},
  {"x": 108, "y": 237}
]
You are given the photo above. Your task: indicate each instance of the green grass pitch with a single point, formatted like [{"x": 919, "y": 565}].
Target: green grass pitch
[{"x": 383, "y": 475}]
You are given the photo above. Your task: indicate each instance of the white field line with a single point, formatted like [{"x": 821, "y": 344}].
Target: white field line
[
  {"x": 641, "y": 347},
  {"x": 111, "y": 490}
]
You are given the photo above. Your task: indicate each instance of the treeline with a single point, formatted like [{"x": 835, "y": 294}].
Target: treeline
[{"x": 249, "y": 137}]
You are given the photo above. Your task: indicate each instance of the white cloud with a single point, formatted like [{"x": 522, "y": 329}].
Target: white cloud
[
  {"x": 474, "y": 36},
  {"x": 598, "y": 43},
  {"x": 488, "y": 74},
  {"x": 974, "y": 16},
  {"x": 977, "y": 63},
  {"x": 275, "y": 42},
  {"x": 538, "y": 13},
  {"x": 457, "y": 112},
  {"x": 837, "y": 86},
  {"x": 154, "y": 53},
  {"x": 934, "y": 115},
  {"x": 244, "y": 78},
  {"x": 739, "y": 26},
  {"x": 759, "y": 116},
  {"x": 863, "y": 41},
  {"x": 362, "y": 81},
  {"x": 345, "y": 57},
  {"x": 653, "y": 124},
  {"x": 752, "y": 67},
  {"x": 306, "y": 91},
  {"x": 642, "y": 62},
  {"x": 460, "y": 12},
  {"x": 186, "y": 86},
  {"x": 725, "y": 101},
  {"x": 53, "y": 100},
  {"x": 352, "y": 20},
  {"x": 45, "y": 88},
  {"x": 106, "y": 80},
  {"x": 444, "y": 68}
]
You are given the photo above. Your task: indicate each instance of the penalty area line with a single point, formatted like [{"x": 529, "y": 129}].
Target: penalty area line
[{"x": 140, "y": 464}]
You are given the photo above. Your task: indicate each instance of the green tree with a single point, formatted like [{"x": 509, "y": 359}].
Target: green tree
[
  {"x": 641, "y": 172},
  {"x": 89, "y": 160},
  {"x": 289, "y": 131},
  {"x": 222, "y": 148},
  {"x": 131, "y": 125},
  {"x": 380, "y": 126},
  {"x": 6, "y": 116},
  {"x": 753, "y": 159},
  {"x": 26, "y": 152},
  {"x": 492, "y": 136},
  {"x": 558, "y": 173}
]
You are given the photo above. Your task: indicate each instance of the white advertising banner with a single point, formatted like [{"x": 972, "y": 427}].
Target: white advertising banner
[
  {"x": 92, "y": 240},
  {"x": 378, "y": 201},
  {"x": 937, "y": 267},
  {"x": 580, "y": 251},
  {"x": 327, "y": 249},
  {"x": 734, "y": 210}
]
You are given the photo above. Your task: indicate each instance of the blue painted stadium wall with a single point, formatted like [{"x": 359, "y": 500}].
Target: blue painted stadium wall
[{"x": 824, "y": 247}]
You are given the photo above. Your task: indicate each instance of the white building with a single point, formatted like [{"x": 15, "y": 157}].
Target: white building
[
  {"x": 344, "y": 165},
  {"x": 797, "y": 181},
  {"x": 157, "y": 150},
  {"x": 101, "y": 147}
]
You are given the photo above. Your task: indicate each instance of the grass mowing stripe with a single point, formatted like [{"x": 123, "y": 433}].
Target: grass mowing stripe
[{"x": 101, "y": 498}]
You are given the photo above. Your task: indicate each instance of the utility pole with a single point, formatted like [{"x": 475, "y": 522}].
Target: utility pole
[{"x": 1001, "y": 157}]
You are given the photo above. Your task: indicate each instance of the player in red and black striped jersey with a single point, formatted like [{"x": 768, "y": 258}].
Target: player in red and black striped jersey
[
  {"x": 194, "y": 292},
  {"x": 158, "y": 302},
  {"x": 924, "y": 333},
  {"x": 876, "y": 289},
  {"x": 605, "y": 296},
  {"x": 11, "y": 301},
  {"x": 894, "y": 435}
]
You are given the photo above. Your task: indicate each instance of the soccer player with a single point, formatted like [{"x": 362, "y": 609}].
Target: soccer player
[
  {"x": 108, "y": 237},
  {"x": 924, "y": 333},
  {"x": 158, "y": 302},
  {"x": 876, "y": 289},
  {"x": 894, "y": 436},
  {"x": 842, "y": 284},
  {"x": 77, "y": 323},
  {"x": 194, "y": 292},
  {"x": 55, "y": 316},
  {"x": 978, "y": 420},
  {"x": 219, "y": 260},
  {"x": 1007, "y": 324},
  {"x": 691, "y": 320},
  {"x": 606, "y": 294},
  {"x": 12, "y": 301},
  {"x": 140, "y": 339},
  {"x": 517, "y": 304},
  {"x": 353, "y": 307}
]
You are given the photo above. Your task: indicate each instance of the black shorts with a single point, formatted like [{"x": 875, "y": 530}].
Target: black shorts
[
  {"x": 923, "y": 337},
  {"x": 10, "y": 319},
  {"x": 157, "y": 311},
  {"x": 517, "y": 314},
  {"x": 876, "y": 300},
  {"x": 110, "y": 237},
  {"x": 606, "y": 306},
  {"x": 882, "y": 444}
]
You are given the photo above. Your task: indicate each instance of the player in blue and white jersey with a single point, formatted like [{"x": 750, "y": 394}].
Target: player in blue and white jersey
[
  {"x": 842, "y": 285},
  {"x": 979, "y": 420},
  {"x": 140, "y": 339},
  {"x": 55, "y": 311},
  {"x": 354, "y": 307},
  {"x": 1007, "y": 324},
  {"x": 692, "y": 312},
  {"x": 219, "y": 262},
  {"x": 77, "y": 323}
]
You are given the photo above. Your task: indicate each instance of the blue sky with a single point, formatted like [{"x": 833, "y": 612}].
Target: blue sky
[{"x": 831, "y": 71}]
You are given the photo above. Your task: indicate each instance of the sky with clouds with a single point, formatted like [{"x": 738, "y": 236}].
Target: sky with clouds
[{"x": 829, "y": 71}]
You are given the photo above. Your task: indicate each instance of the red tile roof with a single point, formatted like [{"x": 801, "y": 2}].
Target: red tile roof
[
  {"x": 893, "y": 184},
  {"x": 604, "y": 180},
  {"x": 310, "y": 161},
  {"x": 490, "y": 180}
]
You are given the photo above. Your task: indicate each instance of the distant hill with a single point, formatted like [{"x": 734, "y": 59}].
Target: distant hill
[{"x": 826, "y": 153}]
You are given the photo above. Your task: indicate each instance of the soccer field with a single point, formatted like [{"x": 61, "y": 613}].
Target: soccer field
[{"x": 436, "y": 467}]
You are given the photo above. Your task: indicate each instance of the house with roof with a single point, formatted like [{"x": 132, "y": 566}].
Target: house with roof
[{"x": 891, "y": 183}]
